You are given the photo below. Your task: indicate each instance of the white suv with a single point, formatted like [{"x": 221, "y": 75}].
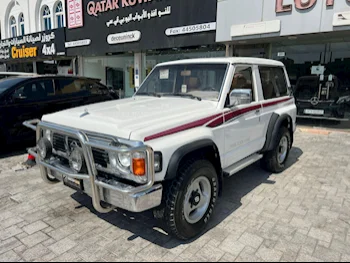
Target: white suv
[{"x": 169, "y": 147}]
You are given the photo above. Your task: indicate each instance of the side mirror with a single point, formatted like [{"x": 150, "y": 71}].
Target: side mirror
[{"x": 241, "y": 97}]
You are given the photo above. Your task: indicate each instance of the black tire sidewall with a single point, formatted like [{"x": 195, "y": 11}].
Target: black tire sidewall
[{"x": 197, "y": 169}]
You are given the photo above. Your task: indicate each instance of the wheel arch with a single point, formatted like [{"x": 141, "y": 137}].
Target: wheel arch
[
  {"x": 204, "y": 148},
  {"x": 276, "y": 122}
]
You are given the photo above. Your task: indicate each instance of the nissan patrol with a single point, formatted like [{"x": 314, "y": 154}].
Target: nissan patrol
[{"x": 169, "y": 147}]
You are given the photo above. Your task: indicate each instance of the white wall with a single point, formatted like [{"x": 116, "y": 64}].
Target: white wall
[{"x": 31, "y": 10}]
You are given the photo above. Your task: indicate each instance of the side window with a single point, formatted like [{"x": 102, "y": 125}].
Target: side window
[
  {"x": 95, "y": 88},
  {"x": 71, "y": 87},
  {"x": 242, "y": 87},
  {"x": 273, "y": 82},
  {"x": 281, "y": 82},
  {"x": 35, "y": 91}
]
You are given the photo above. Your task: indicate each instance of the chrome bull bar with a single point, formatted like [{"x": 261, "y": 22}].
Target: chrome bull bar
[{"x": 91, "y": 176}]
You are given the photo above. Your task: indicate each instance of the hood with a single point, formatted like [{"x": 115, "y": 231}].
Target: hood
[{"x": 134, "y": 118}]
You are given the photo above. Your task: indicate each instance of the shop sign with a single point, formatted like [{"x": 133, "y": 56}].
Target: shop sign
[
  {"x": 143, "y": 24},
  {"x": 136, "y": 17},
  {"x": 42, "y": 44},
  {"x": 301, "y": 5},
  {"x": 78, "y": 43},
  {"x": 75, "y": 14},
  {"x": 126, "y": 37},
  {"x": 191, "y": 29}
]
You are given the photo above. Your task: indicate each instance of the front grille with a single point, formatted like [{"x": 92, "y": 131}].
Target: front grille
[
  {"x": 100, "y": 157},
  {"x": 59, "y": 142}
]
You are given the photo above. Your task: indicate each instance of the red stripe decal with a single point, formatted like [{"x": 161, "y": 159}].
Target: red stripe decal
[
  {"x": 215, "y": 120},
  {"x": 273, "y": 103},
  {"x": 237, "y": 113},
  {"x": 184, "y": 127}
]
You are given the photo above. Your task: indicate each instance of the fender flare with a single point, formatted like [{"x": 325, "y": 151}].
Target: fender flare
[
  {"x": 181, "y": 152},
  {"x": 273, "y": 129}
]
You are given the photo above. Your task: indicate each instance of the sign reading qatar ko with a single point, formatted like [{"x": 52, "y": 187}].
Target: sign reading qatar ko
[
  {"x": 134, "y": 25},
  {"x": 94, "y": 8}
]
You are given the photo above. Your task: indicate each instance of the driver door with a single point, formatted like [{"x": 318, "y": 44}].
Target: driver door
[
  {"x": 29, "y": 101},
  {"x": 243, "y": 128}
]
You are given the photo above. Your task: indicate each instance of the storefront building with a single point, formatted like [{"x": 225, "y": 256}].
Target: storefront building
[
  {"x": 120, "y": 42},
  {"x": 310, "y": 36},
  {"x": 21, "y": 23},
  {"x": 41, "y": 52}
]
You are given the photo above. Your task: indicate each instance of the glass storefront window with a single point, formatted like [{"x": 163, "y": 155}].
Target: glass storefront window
[
  {"x": 152, "y": 58},
  {"x": 117, "y": 72},
  {"x": 320, "y": 80}
]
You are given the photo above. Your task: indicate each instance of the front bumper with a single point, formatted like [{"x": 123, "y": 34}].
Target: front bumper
[{"x": 114, "y": 193}]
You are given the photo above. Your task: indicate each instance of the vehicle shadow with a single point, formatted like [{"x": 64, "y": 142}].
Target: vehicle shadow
[{"x": 146, "y": 227}]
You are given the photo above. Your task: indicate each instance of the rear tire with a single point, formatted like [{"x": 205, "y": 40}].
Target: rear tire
[
  {"x": 275, "y": 161},
  {"x": 191, "y": 199}
]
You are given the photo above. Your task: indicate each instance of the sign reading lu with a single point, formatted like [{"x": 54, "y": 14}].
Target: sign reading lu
[{"x": 300, "y": 4}]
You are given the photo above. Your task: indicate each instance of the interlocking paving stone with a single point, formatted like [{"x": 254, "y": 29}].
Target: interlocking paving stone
[{"x": 302, "y": 214}]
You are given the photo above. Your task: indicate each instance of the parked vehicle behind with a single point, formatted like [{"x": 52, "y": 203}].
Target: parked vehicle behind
[
  {"x": 191, "y": 124},
  {"x": 4, "y": 75},
  {"x": 34, "y": 96}
]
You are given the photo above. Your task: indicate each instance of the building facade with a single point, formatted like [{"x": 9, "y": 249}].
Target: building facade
[
  {"x": 33, "y": 35},
  {"x": 310, "y": 36},
  {"x": 120, "y": 42}
]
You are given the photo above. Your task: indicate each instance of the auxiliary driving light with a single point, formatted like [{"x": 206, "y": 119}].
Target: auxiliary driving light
[
  {"x": 76, "y": 160},
  {"x": 44, "y": 148}
]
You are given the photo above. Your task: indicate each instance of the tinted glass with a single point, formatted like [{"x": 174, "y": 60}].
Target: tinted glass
[
  {"x": 274, "y": 82},
  {"x": 7, "y": 83},
  {"x": 35, "y": 90}
]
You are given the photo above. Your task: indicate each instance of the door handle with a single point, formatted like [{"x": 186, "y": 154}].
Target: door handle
[{"x": 257, "y": 112}]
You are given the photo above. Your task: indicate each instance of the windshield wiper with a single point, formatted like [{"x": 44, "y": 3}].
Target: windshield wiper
[
  {"x": 154, "y": 94},
  {"x": 184, "y": 95}
]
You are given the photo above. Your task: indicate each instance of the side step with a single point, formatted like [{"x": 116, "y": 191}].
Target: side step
[{"x": 233, "y": 169}]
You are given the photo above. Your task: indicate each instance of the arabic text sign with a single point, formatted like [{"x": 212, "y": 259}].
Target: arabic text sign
[
  {"x": 34, "y": 45},
  {"x": 145, "y": 15},
  {"x": 75, "y": 13}
]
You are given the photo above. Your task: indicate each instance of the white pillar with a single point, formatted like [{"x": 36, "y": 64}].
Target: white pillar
[
  {"x": 35, "y": 69},
  {"x": 138, "y": 68}
]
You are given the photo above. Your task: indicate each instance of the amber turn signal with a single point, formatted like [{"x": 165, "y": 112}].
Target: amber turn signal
[{"x": 139, "y": 166}]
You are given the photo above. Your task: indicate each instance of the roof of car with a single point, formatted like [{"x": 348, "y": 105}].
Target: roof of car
[
  {"x": 33, "y": 76},
  {"x": 231, "y": 60},
  {"x": 17, "y": 74}
]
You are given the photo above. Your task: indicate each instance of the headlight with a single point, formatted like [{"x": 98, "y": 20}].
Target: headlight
[
  {"x": 120, "y": 161},
  {"x": 124, "y": 158},
  {"x": 48, "y": 135},
  {"x": 45, "y": 148},
  {"x": 76, "y": 160}
]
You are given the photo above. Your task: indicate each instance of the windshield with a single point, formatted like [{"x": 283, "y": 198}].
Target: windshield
[
  {"x": 8, "y": 83},
  {"x": 203, "y": 81}
]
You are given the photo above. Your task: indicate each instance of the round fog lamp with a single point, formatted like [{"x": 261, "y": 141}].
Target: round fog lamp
[
  {"x": 44, "y": 148},
  {"x": 76, "y": 160}
]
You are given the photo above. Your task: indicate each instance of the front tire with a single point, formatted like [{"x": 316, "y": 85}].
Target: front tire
[
  {"x": 191, "y": 199},
  {"x": 275, "y": 160}
]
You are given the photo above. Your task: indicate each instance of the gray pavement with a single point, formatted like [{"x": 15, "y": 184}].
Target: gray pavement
[{"x": 302, "y": 214}]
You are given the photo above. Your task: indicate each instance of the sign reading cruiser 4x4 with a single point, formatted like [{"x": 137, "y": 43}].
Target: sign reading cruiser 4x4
[
  {"x": 36, "y": 45},
  {"x": 135, "y": 25}
]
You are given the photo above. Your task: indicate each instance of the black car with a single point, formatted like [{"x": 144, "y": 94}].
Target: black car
[
  {"x": 31, "y": 97},
  {"x": 325, "y": 99}
]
